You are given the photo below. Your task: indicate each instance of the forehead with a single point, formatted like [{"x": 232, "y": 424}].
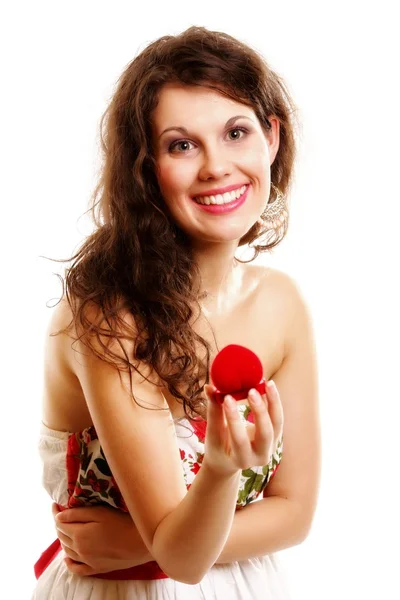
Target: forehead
[{"x": 188, "y": 106}]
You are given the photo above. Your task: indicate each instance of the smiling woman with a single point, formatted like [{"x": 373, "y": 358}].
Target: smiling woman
[
  {"x": 198, "y": 145},
  {"x": 224, "y": 142}
]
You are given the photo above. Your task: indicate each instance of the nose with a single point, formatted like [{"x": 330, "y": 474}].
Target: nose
[{"x": 215, "y": 165}]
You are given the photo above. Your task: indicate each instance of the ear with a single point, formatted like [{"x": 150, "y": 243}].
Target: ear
[{"x": 273, "y": 138}]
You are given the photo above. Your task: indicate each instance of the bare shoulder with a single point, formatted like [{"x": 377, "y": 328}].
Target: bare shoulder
[
  {"x": 272, "y": 279},
  {"x": 284, "y": 289},
  {"x": 299, "y": 320},
  {"x": 279, "y": 280},
  {"x": 281, "y": 298},
  {"x": 81, "y": 331},
  {"x": 59, "y": 337},
  {"x": 61, "y": 317}
]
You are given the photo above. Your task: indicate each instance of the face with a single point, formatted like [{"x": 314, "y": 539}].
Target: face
[{"x": 208, "y": 149}]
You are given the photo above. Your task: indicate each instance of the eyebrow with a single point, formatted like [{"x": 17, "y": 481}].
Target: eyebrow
[{"x": 184, "y": 131}]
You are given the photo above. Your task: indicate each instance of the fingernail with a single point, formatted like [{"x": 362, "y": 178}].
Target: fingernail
[
  {"x": 254, "y": 396},
  {"x": 230, "y": 402},
  {"x": 271, "y": 384}
]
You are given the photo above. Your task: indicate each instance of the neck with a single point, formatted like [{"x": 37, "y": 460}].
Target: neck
[{"x": 220, "y": 276}]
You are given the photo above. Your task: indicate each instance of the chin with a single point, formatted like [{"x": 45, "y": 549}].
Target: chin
[{"x": 219, "y": 237}]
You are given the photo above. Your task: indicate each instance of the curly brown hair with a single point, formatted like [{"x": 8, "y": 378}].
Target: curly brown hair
[{"x": 121, "y": 267}]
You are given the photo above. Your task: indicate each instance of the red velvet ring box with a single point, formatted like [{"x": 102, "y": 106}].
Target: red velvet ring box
[{"x": 234, "y": 371}]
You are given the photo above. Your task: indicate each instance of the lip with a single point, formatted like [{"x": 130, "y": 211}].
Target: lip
[
  {"x": 216, "y": 191},
  {"x": 218, "y": 209}
]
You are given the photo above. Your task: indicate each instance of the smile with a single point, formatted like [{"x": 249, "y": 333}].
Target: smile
[
  {"x": 223, "y": 203},
  {"x": 221, "y": 198}
]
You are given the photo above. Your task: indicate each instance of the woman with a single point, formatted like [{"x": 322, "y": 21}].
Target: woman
[{"x": 198, "y": 158}]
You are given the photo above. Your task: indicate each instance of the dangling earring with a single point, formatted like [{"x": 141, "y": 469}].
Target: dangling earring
[{"x": 275, "y": 214}]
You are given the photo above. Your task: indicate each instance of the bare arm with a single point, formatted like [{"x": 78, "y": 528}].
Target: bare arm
[
  {"x": 263, "y": 527},
  {"x": 112, "y": 541},
  {"x": 283, "y": 518},
  {"x": 140, "y": 446}
]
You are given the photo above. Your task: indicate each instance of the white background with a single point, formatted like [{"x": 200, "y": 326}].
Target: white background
[{"x": 60, "y": 61}]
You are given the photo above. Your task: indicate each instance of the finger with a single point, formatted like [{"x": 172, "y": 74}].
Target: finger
[
  {"x": 70, "y": 553},
  {"x": 67, "y": 529},
  {"x": 57, "y": 508},
  {"x": 264, "y": 433},
  {"x": 65, "y": 539},
  {"x": 216, "y": 422},
  {"x": 79, "y": 568},
  {"x": 237, "y": 430},
  {"x": 210, "y": 391},
  {"x": 275, "y": 409},
  {"x": 78, "y": 515}
]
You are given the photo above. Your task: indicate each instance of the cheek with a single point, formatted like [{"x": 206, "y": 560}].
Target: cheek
[
  {"x": 173, "y": 178},
  {"x": 257, "y": 165},
  {"x": 256, "y": 160},
  {"x": 166, "y": 177}
]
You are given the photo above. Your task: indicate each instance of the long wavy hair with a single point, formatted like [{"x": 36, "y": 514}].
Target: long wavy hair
[{"x": 122, "y": 265}]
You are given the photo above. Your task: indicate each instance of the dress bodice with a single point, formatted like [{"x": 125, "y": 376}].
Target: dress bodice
[{"x": 76, "y": 471}]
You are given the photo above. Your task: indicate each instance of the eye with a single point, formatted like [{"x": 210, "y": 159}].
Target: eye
[
  {"x": 238, "y": 131},
  {"x": 180, "y": 146}
]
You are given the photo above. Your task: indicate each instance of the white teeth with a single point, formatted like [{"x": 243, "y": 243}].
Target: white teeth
[{"x": 221, "y": 198}]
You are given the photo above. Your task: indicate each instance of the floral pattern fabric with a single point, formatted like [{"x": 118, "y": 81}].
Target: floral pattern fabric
[{"x": 90, "y": 480}]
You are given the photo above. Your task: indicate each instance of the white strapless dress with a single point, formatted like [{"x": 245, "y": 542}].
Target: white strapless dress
[{"x": 253, "y": 579}]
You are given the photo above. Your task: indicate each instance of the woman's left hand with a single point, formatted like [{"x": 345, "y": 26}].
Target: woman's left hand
[{"x": 99, "y": 539}]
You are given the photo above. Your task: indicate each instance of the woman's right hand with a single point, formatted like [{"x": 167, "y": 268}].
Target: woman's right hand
[
  {"x": 232, "y": 445},
  {"x": 99, "y": 539}
]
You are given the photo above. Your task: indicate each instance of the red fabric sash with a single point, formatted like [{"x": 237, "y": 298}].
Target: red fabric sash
[{"x": 149, "y": 570}]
